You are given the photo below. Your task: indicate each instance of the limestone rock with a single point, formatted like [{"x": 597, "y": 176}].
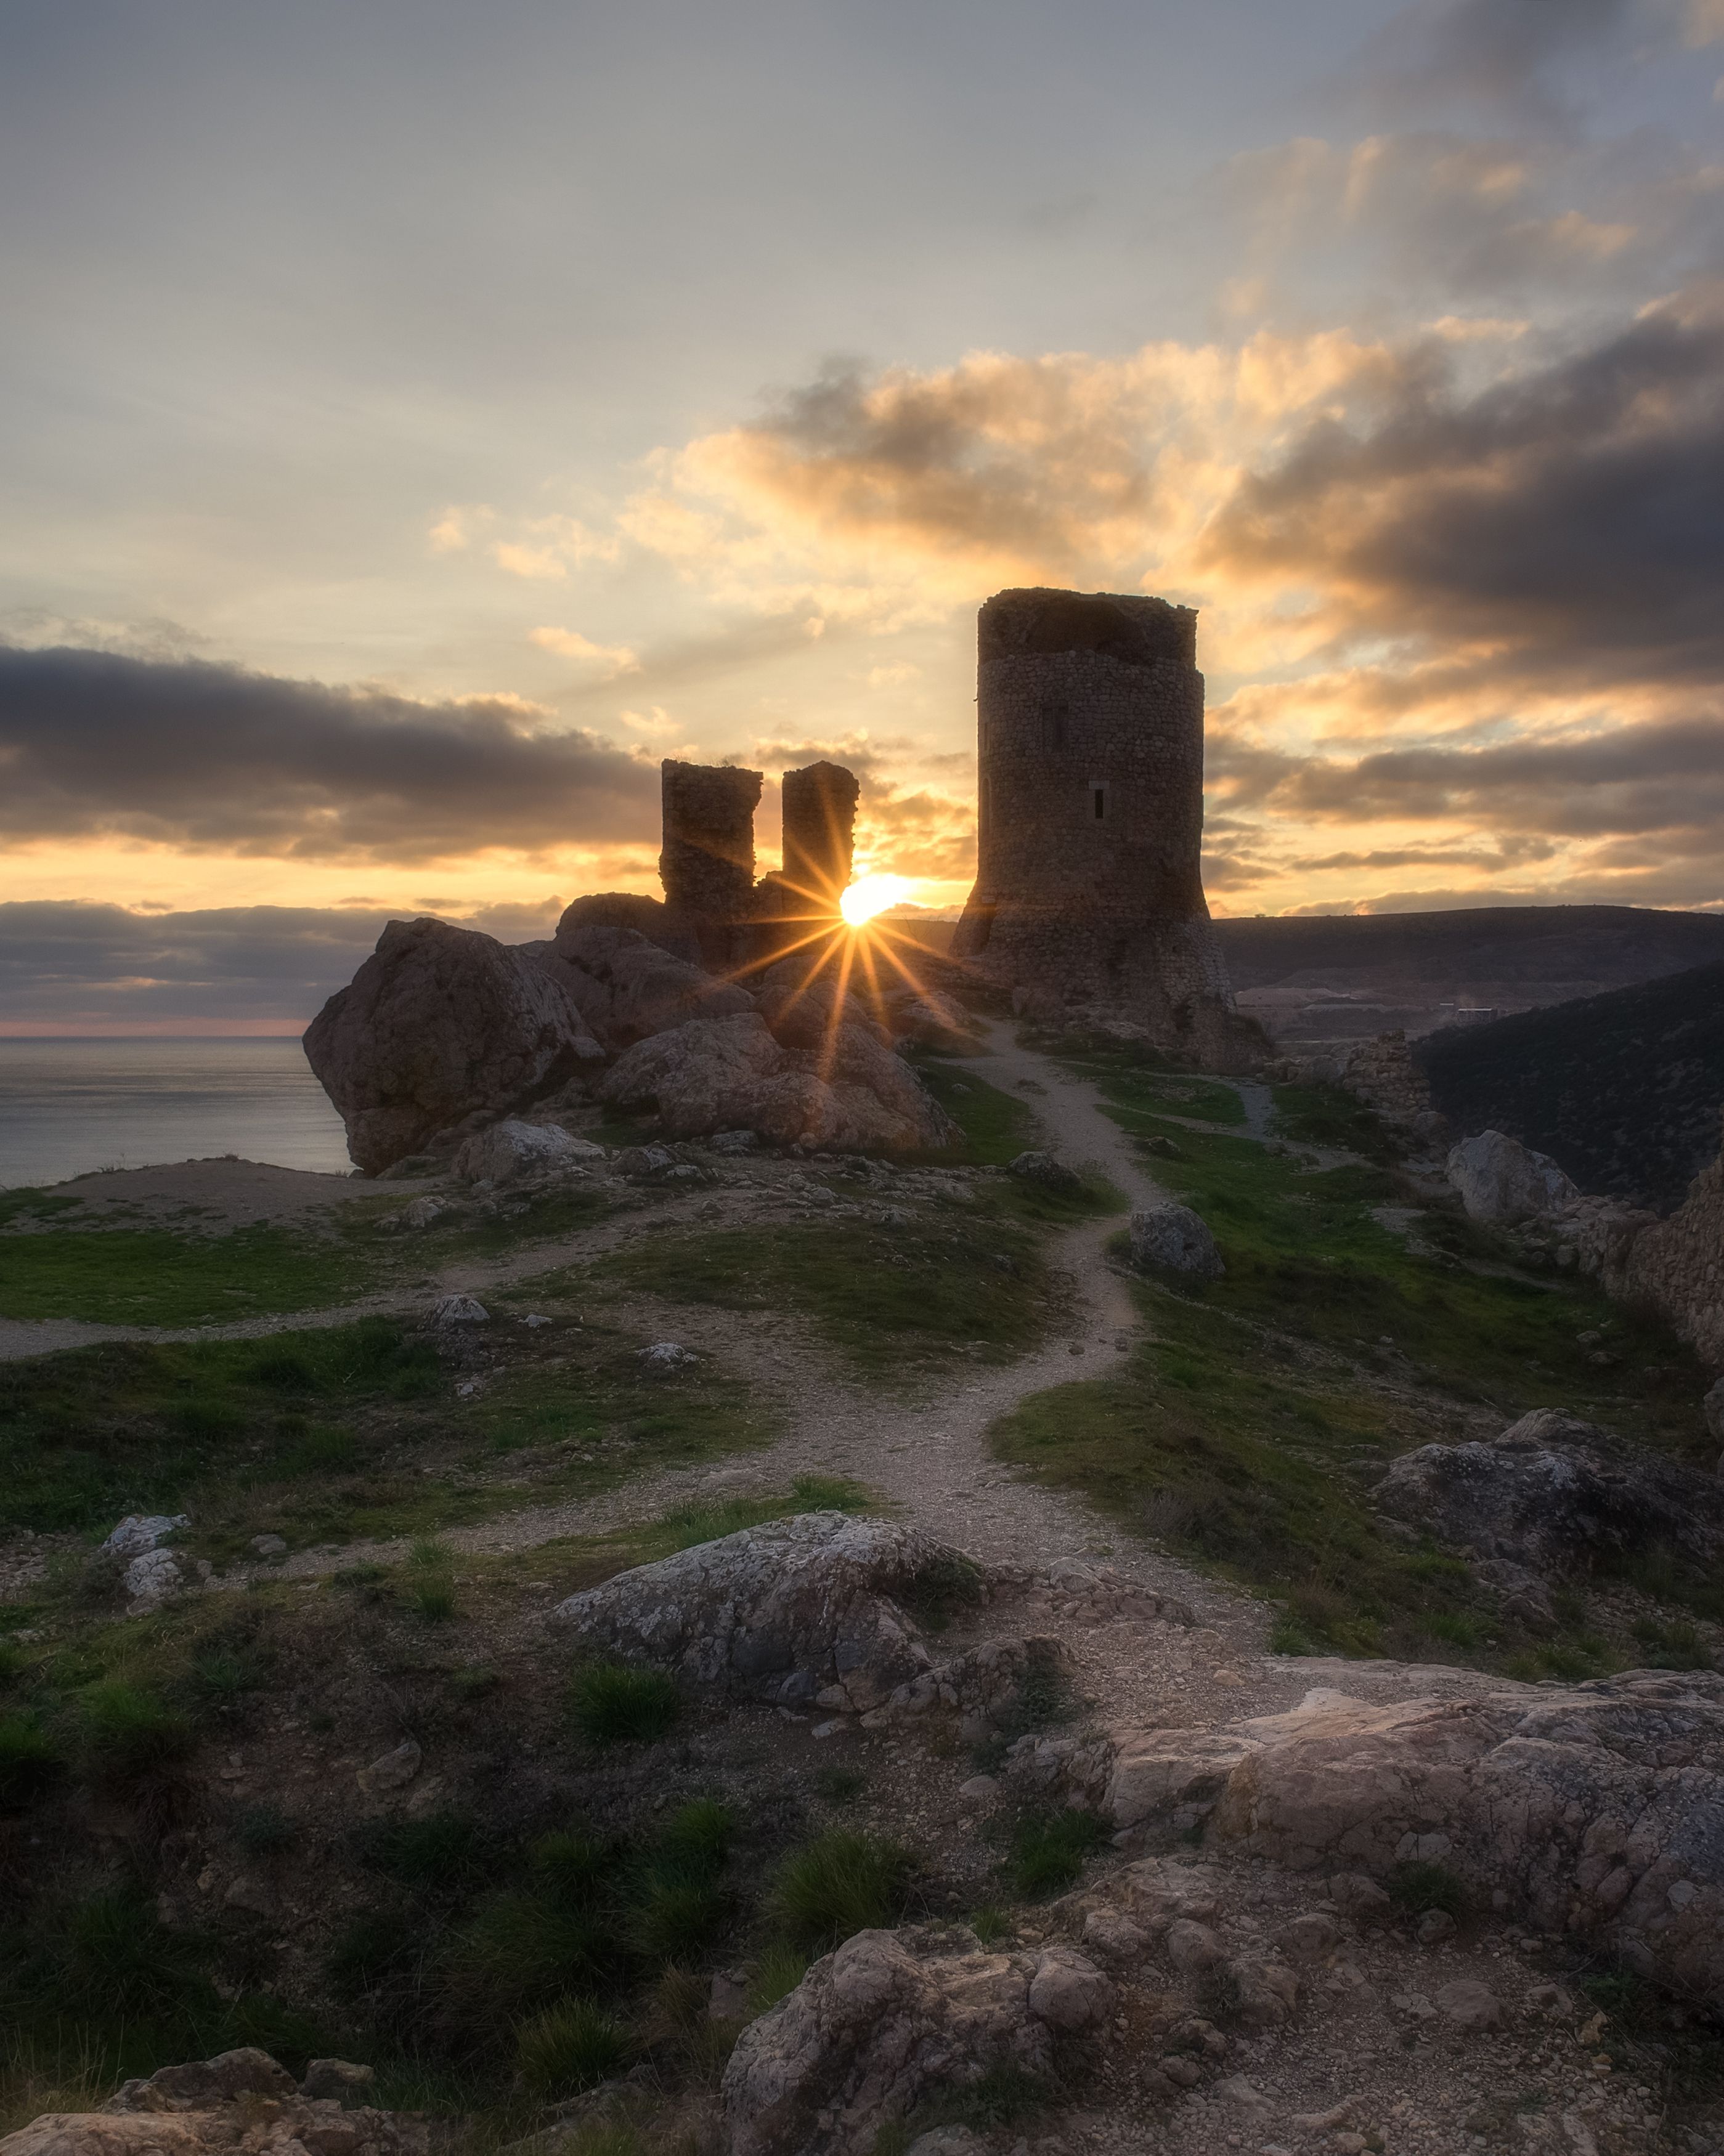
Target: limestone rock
[
  {"x": 727, "y": 1073},
  {"x": 813, "y": 1605},
  {"x": 139, "y": 1531},
  {"x": 1042, "y": 1169},
  {"x": 628, "y": 989},
  {"x": 1502, "y": 1182},
  {"x": 1678, "y": 1266},
  {"x": 1171, "y": 1238},
  {"x": 241, "y": 2103},
  {"x": 888, "y": 2017},
  {"x": 1596, "y": 1807},
  {"x": 153, "y": 1576},
  {"x": 393, "y": 1770},
  {"x": 459, "y": 1310},
  {"x": 340, "y": 2081},
  {"x": 440, "y": 1023},
  {"x": 512, "y": 1150},
  {"x": 1553, "y": 1494},
  {"x": 1468, "y": 2005}
]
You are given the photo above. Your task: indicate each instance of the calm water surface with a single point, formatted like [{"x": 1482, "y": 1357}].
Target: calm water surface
[{"x": 69, "y": 1105}]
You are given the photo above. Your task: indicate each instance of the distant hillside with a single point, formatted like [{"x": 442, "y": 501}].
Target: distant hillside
[
  {"x": 1338, "y": 976},
  {"x": 1624, "y": 1090}
]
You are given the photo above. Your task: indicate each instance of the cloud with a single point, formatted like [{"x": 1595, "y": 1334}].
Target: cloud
[
  {"x": 616, "y": 658},
  {"x": 216, "y": 758},
  {"x": 1561, "y": 523},
  {"x": 1502, "y": 55},
  {"x": 68, "y": 961}
]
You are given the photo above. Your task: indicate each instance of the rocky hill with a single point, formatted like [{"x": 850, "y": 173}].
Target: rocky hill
[
  {"x": 1348, "y": 975},
  {"x": 1624, "y": 1090}
]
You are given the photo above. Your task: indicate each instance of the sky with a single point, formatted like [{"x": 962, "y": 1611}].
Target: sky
[{"x": 417, "y": 418}]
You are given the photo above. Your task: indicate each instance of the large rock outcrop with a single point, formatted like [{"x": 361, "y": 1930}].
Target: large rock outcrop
[
  {"x": 241, "y": 2103},
  {"x": 889, "y": 2016},
  {"x": 813, "y": 1608},
  {"x": 1556, "y": 1496},
  {"x": 721, "y": 1074},
  {"x": 1502, "y": 1182},
  {"x": 438, "y": 1024},
  {"x": 1595, "y": 1809},
  {"x": 628, "y": 988},
  {"x": 1678, "y": 1266}
]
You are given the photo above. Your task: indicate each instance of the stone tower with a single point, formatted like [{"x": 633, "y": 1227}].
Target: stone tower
[
  {"x": 1089, "y": 896},
  {"x": 706, "y": 857},
  {"x": 820, "y": 831}
]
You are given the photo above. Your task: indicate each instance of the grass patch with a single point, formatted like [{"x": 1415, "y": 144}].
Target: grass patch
[
  {"x": 997, "y": 1127},
  {"x": 127, "y": 1731},
  {"x": 840, "y": 1883},
  {"x": 1048, "y": 1851},
  {"x": 874, "y": 1292},
  {"x": 151, "y": 1276},
  {"x": 29, "y": 1760},
  {"x": 778, "y": 1968},
  {"x": 610, "y": 1703},
  {"x": 1419, "y": 1888},
  {"x": 569, "y": 2047}
]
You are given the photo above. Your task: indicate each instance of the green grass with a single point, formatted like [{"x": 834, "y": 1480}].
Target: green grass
[
  {"x": 152, "y": 1277},
  {"x": 1048, "y": 1851},
  {"x": 840, "y": 1883},
  {"x": 1417, "y": 1888},
  {"x": 876, "y": 1294},
  {"x": 569, "y": 2047},
  {"x": 127, "y": 1731},
  {"x": 30, "y": 1759},
  {"x": 612, "y": 1704},
  {"x": 325, "y": 1435},
  {"x": 997, "y": 1127}
]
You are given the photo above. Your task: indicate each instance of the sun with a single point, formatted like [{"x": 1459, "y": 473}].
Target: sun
[{"x": 871, "y": 895}]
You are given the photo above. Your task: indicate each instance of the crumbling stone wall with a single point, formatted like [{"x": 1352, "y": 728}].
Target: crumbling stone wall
[
  {"x": 707, "y": 862},
  {"x": 819, "y": 830},
  {"x": 1089, "y": 895}
]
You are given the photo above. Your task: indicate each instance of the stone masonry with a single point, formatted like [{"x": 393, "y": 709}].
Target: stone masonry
[{"x": 1088, "y": 899}]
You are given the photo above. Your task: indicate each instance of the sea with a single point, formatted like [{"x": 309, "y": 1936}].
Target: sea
[{"x": 67, "y": 1106}]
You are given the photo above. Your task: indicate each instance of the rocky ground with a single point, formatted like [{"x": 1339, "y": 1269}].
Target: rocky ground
[{"x": 1165, "y": 1984}]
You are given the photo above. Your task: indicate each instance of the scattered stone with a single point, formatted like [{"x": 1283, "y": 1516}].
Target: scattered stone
[
  {"x": 1712, "y": 1408},
  {"x": 948, "y": 2141},
  {"x": 978, "y": 1790},
  {"x": 460, "y": 1310},
  {"x": 393, "y": 1770},
  {"x": 665, "y": 1357},
  {"x": 1170, "y": 1238},
  {"x": 1237, "y": 2090},
  {"x": 1502, "y": 1182},
  {"x": 1162, "y": 1148},
  {"x": 149, "y": 1579},
  {"x": 1433, "y": 1927},
  {"x": 1042, "y": 1169},
  {"x": 423, "y": 1212},
  {"x": 1468, "y": 2005},
  {"x": 534, "y": 1320},
  {"x": 139, "y": 1531},
  {"x": 270, "y": 1546},
  {"x": 1114, "y": 1936},
  {"x": 512, "y": 1150},
  {"x": 734, "y": 1142}
]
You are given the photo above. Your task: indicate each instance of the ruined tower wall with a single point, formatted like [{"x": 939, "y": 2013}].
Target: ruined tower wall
[
  {"x": 819, "y": 830},
  {"x": 706, "y": 863},
  {"x": 1088, "y": 892}
]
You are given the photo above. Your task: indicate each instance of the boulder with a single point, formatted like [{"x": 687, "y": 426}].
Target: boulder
[
  {"x": 1596, "y": 1810},
  {"x": 141, "y": 1531},
  {"x": 1502, "y": 1182},
  {"x": 1171, "y": 1238},
  {"x": 511, "y": 1150},
  {"x": 241, "y": 2103},
  {"x": 628, "y": 989},
  {"x": 459, "y": 1310},
  {"x": 1042, "y": 1169},
  {"x": 438, "y": 1024},
  {"x": 889, "y": 2017},
  {"x": 727, "y": 1074},
  {"x": 1552, "y": 1495},
  {"x": 813, "y": 1606}
]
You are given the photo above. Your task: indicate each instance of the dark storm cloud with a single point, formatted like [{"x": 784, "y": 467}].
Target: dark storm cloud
[
  {"x": 1568, "y": 521},
  {"x": 1665, "y": 779},
  {"x": 212, "y": 757},
  {"x": 63, "y": 959}
]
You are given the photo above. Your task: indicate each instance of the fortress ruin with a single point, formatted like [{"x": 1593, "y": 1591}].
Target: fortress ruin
[{"x": 1089, "y": 897}]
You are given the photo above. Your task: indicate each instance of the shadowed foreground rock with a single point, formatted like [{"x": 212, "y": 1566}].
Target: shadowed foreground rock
[
  {"x": 888, "y": 2016},
  {"x": 438, "y": 1024},
  {"x": 1502, "y": 1182},
  {"x": 241, "y": 2101},
  {"x": 1556, "y": 1496},
  {"x": 1595, "y": 1809}
]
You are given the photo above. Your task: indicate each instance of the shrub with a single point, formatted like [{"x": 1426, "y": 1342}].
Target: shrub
[
  {"x": 701, "y": 1831},
  {"x": 990, "y": 1925},
  {"x": 515, "y": 1956},
  {"x": 30, "y": 1758},
  {"x": 613, "y": 1704},
  {"x": 778, "y": 1971},
  {"x": 444, "y": 1849},
  {"x": 837, "y": 1885},
  {"x": 839, "y": 1785},
  {"x": 574, "y": 1869},
  {"x": 569, "y": 2047},
  {"x": 1047, "y": 1853},
  {"x": 128, "y": 1732},
  {"x": 674, "y": 1919},
  {"x": 1418, "y": 1888},
  {"x": 432, "y": 1600}
]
